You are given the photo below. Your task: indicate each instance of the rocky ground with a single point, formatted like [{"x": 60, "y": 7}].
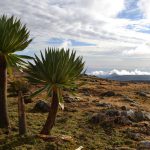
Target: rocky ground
[{"x": 102, "y": 115}]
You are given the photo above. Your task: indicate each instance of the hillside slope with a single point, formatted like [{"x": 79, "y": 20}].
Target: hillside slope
[{"x": 93, "y": 118}]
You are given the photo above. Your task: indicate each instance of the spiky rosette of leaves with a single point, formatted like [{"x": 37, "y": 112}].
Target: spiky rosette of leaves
[
  {"x": 14, "y": 37},
  {"x": 55, "y": 70}
]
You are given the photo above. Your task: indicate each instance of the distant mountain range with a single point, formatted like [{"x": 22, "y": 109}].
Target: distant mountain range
[
  {"x": 138, "y": 78},
  {"x": 123, "y": 75},
  {"x": 145, "y": 78}
]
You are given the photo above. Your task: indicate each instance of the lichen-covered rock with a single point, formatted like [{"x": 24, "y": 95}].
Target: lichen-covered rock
[
  {"x": 122, "y": 120},
  {"x": 68, "y": 109},
  {"x": 69, "y": 99},
  {"x": 97, "y": 118},
  {"x": 139, "y": 116},
  {"x": 103, "y": 104},
  {"x": 113, "y": 112},
  {"x": 128, "y": 99},
  {"x": 123, "y": 107},
  {"x": 147, "y": 116},
  {"x": 131, "y": 114},
  {"x": 117, "y": 116},
  {"x": 143, "y": 94},
  {"x": 143, "y": 145},
  {"x": 41, "y": 106},
  {"x": 134, "y": 136},
  {"x": 108, "y": 94},
  {"x": 110, "y": 117}
]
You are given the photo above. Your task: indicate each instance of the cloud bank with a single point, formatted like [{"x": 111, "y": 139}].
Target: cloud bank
[
  {"x": 118, "y": 30},
  {"x": 119, "y": 72}
]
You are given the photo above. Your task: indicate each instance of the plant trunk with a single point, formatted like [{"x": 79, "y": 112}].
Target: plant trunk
[
  {"x": 21, "y": 114},
  {"x": 52, "y": 115},
  {"x": 4, "y": 120}
]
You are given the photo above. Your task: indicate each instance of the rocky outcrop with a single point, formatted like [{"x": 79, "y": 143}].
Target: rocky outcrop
[
  {"x": 108, "y": 94},
  {"x": 143, "y": 145},
  {"x": 143, "y": 94},
  {"x": 128, "y": 99},
  {"x": 119, "y": 116},
  {"x": 69, "y": 99},
  {"x": 100, "y": 104},
  {"x": 41, "y": 106}
]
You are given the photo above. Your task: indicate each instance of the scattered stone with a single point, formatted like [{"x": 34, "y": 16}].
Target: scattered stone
[
  {"x": 143, "y": 145},
  {"x": 68, "y": 109},
  {"x": 131, "y": 114},
  {"x": 84, "y": 79},
  {"x": 93, "y": 80},
  {"x": 113, "y": 112},
  {"x": 103, "y": 104},
  {"x": 124, "y": 121},
  {"x": 94, "y": 101},
  {"x": 66, "y": 138},
  {"x": 69, "y": 99},
  {"x": 143, "y": 94},
  {"x": 134, "y": 105},
  {"x": 79, "y": 148},
  {"x": 97, "y": 118},
  {"x": 144, "y": 129},
  {"x": 147, "y": 116},
  {"x": 134, "y": 136},
  {"x": 86, "y": 91},
  {"x": 119, "y": 95},
  {"x": 139, "y": 116},
  {"x": 108, "y": 94},
  {"x": 140, "y": 125},
  {"x": 127, "y": 99},
  {"x": 77, "y": 98},
  {"x": 110, "y": 119},
  {"x": 122, "y": 116},
  {"x": 123, "y": 107},
  {"x": 41, "y": 106}
]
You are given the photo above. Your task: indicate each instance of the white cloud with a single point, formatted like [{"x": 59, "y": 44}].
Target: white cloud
[
  {"x": 119, "y": 72},
  {"x": 81, "y": 19},
  {"x": 66, "y": 44},
  {"x": 102, "y": 8},
  {"x": 99, "y": 73},
  {"x": 144, "y": 7},
  {"x": 93, "y": 21},
  {"x": 143, "y": 49},
  {"x": 126, "y": 72}
]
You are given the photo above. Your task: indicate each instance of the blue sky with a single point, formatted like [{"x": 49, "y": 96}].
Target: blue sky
[
  {"x": 109, "y": 34},
  {"x": 58, "y": 41},
  {"x": 131, "y": 11}
]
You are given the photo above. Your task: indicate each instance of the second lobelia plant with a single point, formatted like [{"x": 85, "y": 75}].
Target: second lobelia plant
[{"x": 54, "y": 70}]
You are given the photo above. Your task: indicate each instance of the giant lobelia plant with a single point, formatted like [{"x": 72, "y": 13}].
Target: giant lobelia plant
[
  {"x": 14, "y": 37},
  {"x": 55, "y": 70}
]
